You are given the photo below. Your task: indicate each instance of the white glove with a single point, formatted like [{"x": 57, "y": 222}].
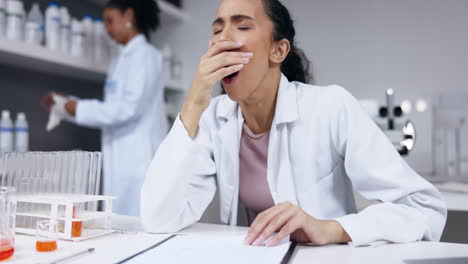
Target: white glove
[{"x": 58, "y": 112}]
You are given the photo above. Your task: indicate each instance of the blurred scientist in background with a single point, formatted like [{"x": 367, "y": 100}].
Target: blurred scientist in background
[{"x": 132, "y": 116}]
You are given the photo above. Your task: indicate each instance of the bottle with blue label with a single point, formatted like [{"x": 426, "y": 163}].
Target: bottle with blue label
[
  {"x": 21, "y": 133},
  {"x": 52, "y": 28},
  {"x": 35, "y": 26},
  {"x": 6, "y": 133}
]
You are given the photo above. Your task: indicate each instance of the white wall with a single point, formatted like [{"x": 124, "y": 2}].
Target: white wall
[{"x": 417, "y": 47}]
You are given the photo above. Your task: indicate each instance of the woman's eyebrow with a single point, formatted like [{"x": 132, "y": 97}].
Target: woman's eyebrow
[{"x": 234, "y": 18}]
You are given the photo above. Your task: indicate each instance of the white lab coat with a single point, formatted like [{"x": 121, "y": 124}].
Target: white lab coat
[
  {"x": 133, "y": 121},
  {"x": 322, "y": 143}
]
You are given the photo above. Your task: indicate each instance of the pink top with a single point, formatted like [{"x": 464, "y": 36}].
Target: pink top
[{"x": 254, "y": 191}]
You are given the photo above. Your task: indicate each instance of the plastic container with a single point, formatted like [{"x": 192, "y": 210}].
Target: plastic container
[
  {"x": 14, "y": 20},
  {"x": 52, "y": 27},
  {"x": 88, "y": 30},
  {"x": 99, "y": 41},
  {"x": 7, "y": 222},
  {"x": 65, "y": 30},
  {"x": 21, "y": 133},
  {"x": 35, "y": 26},
  {"x": 6, "y": 133},
  {"x": 2, "y": 18},
  {"x": 77, "y": 39}
]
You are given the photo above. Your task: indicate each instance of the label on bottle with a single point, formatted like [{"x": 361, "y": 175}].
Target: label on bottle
[{"x": 33, "y": 33}]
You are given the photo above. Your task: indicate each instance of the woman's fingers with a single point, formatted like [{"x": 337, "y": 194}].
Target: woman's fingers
[
  {"x": 221, "y": 47},
  {"x": 262, "y": 221},
  {"x": 224, "y": 72},
  {"x": 276, "y": 224},
  {"x": 292, "y": 225},
  {"x": 226, "y": 59}
]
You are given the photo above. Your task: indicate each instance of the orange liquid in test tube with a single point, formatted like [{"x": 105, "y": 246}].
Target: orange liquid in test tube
[
  {"x": 46, "y": 246},
  {"x": 77, "y": 227},
  {"x": 6, "y": 249}
]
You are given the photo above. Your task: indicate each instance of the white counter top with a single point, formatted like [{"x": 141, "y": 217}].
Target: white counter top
[
  {"x": 118, "y": 246},
  {"x": 455, "y": 195}
]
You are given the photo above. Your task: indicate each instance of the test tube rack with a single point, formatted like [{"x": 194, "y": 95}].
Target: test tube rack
[{"x": 62, "y": 208}]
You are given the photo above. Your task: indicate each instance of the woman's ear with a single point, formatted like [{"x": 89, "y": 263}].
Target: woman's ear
[{"x": 279, "y": 51}]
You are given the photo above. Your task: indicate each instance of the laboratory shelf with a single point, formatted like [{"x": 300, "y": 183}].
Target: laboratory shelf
[
  {"x": 175, "y": 86},
  {"x": 172, "y": 110},
  {"x": 41, "y": 59},
  {"x": 170, "y": 13}
]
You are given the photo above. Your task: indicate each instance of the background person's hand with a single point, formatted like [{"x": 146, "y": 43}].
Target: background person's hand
[
  {"x": 288, "y": 219},
  {"x": 48, "y": 101},
  {"x": 218, "y": 62}
]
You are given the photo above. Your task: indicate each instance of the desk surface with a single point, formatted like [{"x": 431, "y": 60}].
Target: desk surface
[
  {"x": 343, "y": 254},
  {"x": 117, "y": 246}
]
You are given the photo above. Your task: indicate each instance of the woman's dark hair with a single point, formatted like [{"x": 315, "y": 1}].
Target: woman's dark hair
[
  {"x": 146, "y": 13},
  {"x": 296, "y": 66}
]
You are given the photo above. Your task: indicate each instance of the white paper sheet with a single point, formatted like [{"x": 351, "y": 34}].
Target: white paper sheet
[{"x": 194, "y": 249}]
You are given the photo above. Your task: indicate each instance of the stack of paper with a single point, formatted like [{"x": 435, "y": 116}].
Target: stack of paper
[{"x": 195, "y": 249}]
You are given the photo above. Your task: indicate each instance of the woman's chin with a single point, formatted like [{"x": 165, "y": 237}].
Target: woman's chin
[{"x": 234, "y": 93}]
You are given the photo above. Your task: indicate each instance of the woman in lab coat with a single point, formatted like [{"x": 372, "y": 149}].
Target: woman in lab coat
[
  {"x": 289, "y": 151},
  {"x": 132, "y": 116}
]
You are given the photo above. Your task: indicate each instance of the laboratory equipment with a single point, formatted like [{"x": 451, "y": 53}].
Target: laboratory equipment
[
  {"x": 21, "y": 133},
  {"x": 61, "y": 208},
  {"x": 450, "y": 137},
  {"x": 88, "y": 29},
  {"x": 7, "y": 222},
  {"x": 52, "y": 28},
  {"x": 2, "y": 18},
  {"x": 78, "y": 38},
  {"x": 99, "y": 41},
  {"x": 35, "y": 26},
  {"x": 14, "y": 19},
  {"x": 59, "y": 186},
  {"x": 65, "y": 30},
  {"x": 6, "y": 133},
  {"x": 46, "y": 235},
  {"x": 390, "y": 119}
]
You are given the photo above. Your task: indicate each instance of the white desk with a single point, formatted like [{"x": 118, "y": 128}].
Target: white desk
[
  {"x": 115, "y": 247},
  {"x": 455, "y": 195}
]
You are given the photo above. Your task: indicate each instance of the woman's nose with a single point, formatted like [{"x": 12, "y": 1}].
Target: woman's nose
[{"x": 226, "y": 35}]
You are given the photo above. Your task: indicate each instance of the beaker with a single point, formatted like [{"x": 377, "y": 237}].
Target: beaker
[
  {"x": 7, "y": 222},
  {"x": 46, "y": 236}
]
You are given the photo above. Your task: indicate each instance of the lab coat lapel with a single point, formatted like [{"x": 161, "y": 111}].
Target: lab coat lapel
[
  {"x": 229, "y": 137},
  {"x": 280, "y": 173}
]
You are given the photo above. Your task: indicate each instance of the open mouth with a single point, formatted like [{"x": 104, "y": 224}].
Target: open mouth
[{"x": 233, "y": 77}]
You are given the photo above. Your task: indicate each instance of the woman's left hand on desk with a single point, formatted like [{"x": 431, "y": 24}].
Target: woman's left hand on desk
[{"x": 288, "y": 219}]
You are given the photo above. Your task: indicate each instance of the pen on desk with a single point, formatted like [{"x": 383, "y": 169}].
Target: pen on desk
[{"x": 74, "y": 255}]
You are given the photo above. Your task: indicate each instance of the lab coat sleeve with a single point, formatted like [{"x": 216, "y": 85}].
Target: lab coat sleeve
[
  {"x": 411, "y": 209},
  {"x": 180, "y": 182},
  {"x": 125, "y": 105}
]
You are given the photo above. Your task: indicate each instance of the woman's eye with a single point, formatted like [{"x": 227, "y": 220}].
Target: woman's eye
[
  {"x": 243, "y": 28},
  {"x": 216, "y": 32}
]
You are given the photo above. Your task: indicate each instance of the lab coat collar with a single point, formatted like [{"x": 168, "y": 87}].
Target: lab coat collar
[
  {"x": 133, "y": 43},
  {"x": 286, "y": 104}
]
